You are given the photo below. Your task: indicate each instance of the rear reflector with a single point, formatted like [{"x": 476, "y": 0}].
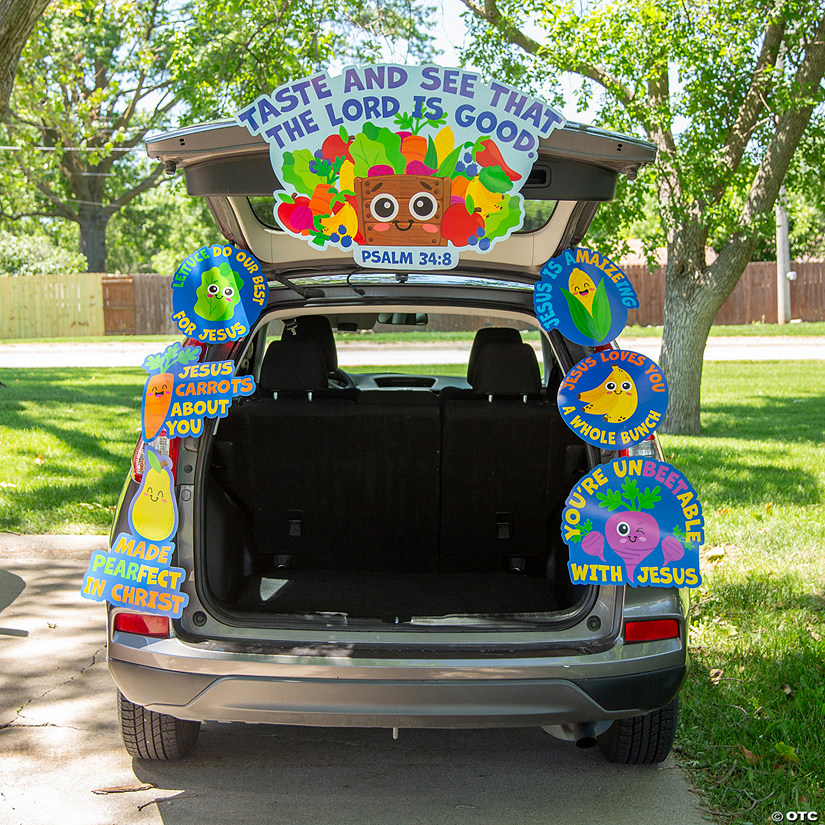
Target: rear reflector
[
  {"x": 651, "y": 631},
  {"x": 143, "y": 625}
]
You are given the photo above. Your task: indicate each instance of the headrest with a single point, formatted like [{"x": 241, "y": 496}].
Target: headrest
[
  {"x": 293, "y": 365},
  {"x": 315, "y": 328},
  {"x": 507, "y": 369},
  {"x": 489, "y": 335}
]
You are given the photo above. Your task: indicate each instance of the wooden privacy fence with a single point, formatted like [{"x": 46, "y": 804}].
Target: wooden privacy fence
[
  {"x": 752, "y": 300},
  {"x": 138, "y": 305},
  {"x": 51, "y": 306},
  {"x": 56, "y": 306}
]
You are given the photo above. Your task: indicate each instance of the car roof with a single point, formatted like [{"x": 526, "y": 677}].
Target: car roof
[{"x": 577, "y": 167}]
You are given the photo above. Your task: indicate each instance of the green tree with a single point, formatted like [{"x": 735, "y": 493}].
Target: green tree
[
  {"x": 91, "y": 82},
  {"x": 701, "y": 81},
  {"x": 231, "y": 51},
  {"x": 17, "y": 19},
  {"x": 96, "y": 77}
]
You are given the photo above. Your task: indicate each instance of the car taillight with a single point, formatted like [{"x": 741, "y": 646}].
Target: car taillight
[
  {"x": 651, "y": 631},
  {"x": 649, "y": 448},
  {"x": 143, "y": 624},
  {"x": 163, "y": 445}
]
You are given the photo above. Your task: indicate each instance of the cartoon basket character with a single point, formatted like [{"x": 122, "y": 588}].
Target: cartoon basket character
[{"x": 402, "y": 210}]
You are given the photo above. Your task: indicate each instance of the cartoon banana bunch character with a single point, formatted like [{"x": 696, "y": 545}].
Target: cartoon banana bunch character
[
  {"x": 615, "y": 398},
  {"x": 581, "y": 285}
]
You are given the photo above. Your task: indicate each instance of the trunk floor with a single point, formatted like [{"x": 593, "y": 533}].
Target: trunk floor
[{"x": 389, "y": 596}]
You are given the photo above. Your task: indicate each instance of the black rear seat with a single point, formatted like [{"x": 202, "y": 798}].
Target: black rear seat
[
  {"x": 391, "y": 480},
  {"x": 502, "y": 464}
]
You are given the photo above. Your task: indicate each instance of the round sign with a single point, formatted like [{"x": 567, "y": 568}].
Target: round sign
[
  {"x": 585, "y": 296},
  {"x": 634, "y": 521},
  {"x": 613, "y": 398},
  {"x": 217, "y": 294}
]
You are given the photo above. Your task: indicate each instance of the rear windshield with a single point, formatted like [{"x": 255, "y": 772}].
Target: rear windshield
[{"x": 537, "y": 214}]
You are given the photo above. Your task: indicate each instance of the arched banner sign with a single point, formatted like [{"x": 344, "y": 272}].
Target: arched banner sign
[
  {"x": 613, "y": 398},
  {"x": 634, "y": 521},
  {"x": 585, "y": 296},
  {"x": 404, "y": 166}
]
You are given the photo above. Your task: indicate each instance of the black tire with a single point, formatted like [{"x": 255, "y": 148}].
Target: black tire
[
  {"x": 641, "y": 740},
  {"x": 150, "y": 735}
]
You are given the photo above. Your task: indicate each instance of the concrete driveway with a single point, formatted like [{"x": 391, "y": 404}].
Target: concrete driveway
[{"x": 61, "y": 759}]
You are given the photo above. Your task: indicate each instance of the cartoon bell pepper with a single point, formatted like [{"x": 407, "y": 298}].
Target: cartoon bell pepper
[{"x": 490, "y": 155}]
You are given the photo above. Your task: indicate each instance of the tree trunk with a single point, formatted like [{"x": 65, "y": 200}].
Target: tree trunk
[
  {"x": 694, "y": 293},
  {"x": 688, "y": 314},
  {"x": 93, "y": 220},
  {"x": 17, "y": 19}
]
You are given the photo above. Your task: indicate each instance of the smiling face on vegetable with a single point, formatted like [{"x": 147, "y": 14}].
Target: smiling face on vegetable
[
  {"x": 218, "y": 293},
  {"x": 402, "y": 210}
]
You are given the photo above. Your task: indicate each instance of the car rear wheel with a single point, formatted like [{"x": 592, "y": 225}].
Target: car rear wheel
[
  {"x": 150, "y": 735},
  {"x": 641, "y": 740}
]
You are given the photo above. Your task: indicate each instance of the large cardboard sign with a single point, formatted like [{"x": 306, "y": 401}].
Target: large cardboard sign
[
  {"x": 634, "y": 521},
  {"x": 136, "y": 571},
  {"x": 585, "y": 296},
  {"x": 217, "y": 294},
  {"x": 613, "y": 398},
  {"x": 405, "y": 166}
]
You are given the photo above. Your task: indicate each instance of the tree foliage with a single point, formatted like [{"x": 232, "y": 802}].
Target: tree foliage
[
  {"x": 705, "y": 83},
  {"x": 92, "y": 81},
  {"x": 97, "y": 76},
  {"x": 231, "y": 51}
]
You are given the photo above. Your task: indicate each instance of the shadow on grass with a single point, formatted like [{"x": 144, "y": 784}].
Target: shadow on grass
[
  {"x": 719, "y": 478},
  {"x": 773, "y": 418}
]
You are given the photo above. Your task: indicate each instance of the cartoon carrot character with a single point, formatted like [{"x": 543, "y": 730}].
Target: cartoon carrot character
[{"x": 157, "y": 393}]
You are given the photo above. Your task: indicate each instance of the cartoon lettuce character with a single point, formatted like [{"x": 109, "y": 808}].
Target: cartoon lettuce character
[{"x": 219, "y": 293}]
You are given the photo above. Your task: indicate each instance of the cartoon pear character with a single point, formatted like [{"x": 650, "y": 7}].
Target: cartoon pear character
[
  {"x": 153, "y": 513},
  {"x": 218, "y": 293},
  {"x": 615, "y": 398},
  {"x": 582, "y": 286}
]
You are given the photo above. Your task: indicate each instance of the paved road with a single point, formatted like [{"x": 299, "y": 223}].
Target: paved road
[
  {"x": 21, "y": 356},
  {"x": 59, "y": 746}
]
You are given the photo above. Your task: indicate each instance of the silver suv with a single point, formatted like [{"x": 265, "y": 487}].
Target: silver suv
[{"x": 381, "y": 547}]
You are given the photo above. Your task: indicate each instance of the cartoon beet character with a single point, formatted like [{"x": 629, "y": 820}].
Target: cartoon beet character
[
  {"x": 615, "y": 398},
  {"x": 219, "y": 293},
  {"x": 157, "y": 392},
  {"x": 631, "y": 533},
  {"x": 402, "y": 210}
]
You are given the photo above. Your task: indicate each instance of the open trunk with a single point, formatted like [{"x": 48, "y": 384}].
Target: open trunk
[{"x": 399, "y": 507}]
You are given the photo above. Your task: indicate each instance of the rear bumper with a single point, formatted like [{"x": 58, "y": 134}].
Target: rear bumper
[{"x": 623, "y": 682}]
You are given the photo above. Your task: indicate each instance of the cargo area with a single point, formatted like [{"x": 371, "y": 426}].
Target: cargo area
[{"x": 395, "y": 505}]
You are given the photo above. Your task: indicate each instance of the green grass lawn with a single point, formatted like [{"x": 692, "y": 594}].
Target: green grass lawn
[
  {"x": 753, "y": 712},
  {"x": 752, "y": 727},
  {"x": 66, "y": 437}
]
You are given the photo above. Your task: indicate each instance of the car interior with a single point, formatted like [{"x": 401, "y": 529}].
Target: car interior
[{"x": 404, "y": 499}]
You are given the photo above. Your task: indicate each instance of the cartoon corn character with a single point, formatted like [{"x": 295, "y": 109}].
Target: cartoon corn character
[{"x": 581, "y": 285}]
